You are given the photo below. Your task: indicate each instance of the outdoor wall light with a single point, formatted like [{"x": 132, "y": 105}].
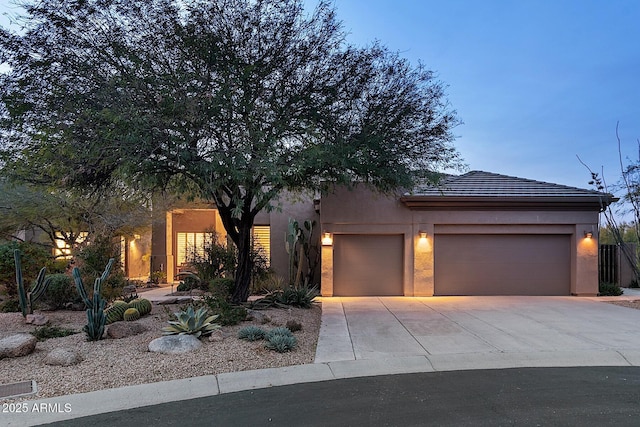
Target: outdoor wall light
[
  {"x": 136, "y": 237},
  {"x": 588, "y": 234},
  {"x": 422, "y": 234},
  {"x": 327, "y": 240}
]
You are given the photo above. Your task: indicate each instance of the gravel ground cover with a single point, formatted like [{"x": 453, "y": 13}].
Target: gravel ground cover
[{"x": 111, "y": 363}]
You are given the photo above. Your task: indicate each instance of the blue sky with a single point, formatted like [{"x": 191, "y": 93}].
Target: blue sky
[{"x": 536, "y": 82}]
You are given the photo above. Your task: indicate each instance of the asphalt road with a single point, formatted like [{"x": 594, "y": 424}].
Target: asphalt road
[{"x": 599, "y": 396}]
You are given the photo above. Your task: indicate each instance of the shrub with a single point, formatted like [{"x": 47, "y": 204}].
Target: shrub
[
  {"x": 60, "y": 291},
  {"x": 92, "y": 256},
  {"x": 10, "y": 306},
  {"x": 212, "y": 260},
  {"x": 293, "y": 325},
  {"x": 251, "y": 333},
  {"x": 34, "y": 257},
  {"x": 228, "y": 314},
  {"x": 301, "y": 296},
  {"x": 267, "y": 283},
  {"x": 609, "y": 290},
  {"x": 183, "y": 287},
  {"x": 281, "y": 343},
  {"x": 47, "y": 332},
  {"x": 59, "y": 266},
  {"x": 634, "y": 284},
  {"x": 222, "y": 286}
]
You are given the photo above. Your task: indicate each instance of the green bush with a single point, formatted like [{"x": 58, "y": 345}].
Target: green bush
[
  {"x": 58, "y": 266},
  {"x": 214, "y": 259},
  {"x": 92, "y": 257},
  {"x": 47, "y": 332},
  {"x": 269, "y": 282},
  {"x": 301, "y": 296},
  {"x": 609, "y": 290},
  {"x": 34, "y": 257},
  {"x": 251, "y": 333},
  {"x": 228, "y": 314},
  {"x": 222, "y": 286},
  {"x": 60, "y": 291},
  {"x": 10, "y": 306}
]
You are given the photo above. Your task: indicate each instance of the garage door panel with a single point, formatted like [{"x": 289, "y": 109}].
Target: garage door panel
[
  {"x": 368, "y": 265},
  {"x": 502, "y": 264}
]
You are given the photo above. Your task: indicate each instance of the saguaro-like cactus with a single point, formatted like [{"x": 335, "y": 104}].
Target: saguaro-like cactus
[
  {"x": 96, "y": 319},
  {"x": 25, "y": 298},
  {"x": 291, "y": 237}
]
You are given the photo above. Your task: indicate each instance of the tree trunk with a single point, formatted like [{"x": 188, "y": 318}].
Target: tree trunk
[{"x": 245, "y": 265}]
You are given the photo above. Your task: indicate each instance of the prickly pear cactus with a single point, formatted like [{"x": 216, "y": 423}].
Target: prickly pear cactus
[{"x": 131, "y": 314}]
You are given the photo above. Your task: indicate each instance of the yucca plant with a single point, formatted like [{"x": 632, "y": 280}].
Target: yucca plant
[
  {"x": 300, "y": 296},
  {"x": 191, "y": 322}
]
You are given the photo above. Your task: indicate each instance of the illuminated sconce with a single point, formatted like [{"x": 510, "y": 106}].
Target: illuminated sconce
[
  {"x": 327, "y": 240},
  {"x": 588, "y": 234},
  {"x": 136, "y": 237},
  {"x": 422, "y": 234}
]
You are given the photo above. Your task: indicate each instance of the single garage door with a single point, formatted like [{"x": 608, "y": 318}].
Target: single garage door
[
  {"x": 367, "y": 265},
  {"x": 529, "y": 264}
]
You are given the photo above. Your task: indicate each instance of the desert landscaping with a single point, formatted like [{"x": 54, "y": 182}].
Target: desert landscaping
[{"x": 117, "y": 362}]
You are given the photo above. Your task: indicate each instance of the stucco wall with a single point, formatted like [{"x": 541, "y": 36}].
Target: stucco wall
[
  {"x": 299, "y": 208},
  {"x": 361, "y": 211}
]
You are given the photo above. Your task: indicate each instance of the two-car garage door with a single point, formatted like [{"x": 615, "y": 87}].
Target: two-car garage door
[
  {"x": 464, "y": 264},
  {"x": 502, "y": 264}
]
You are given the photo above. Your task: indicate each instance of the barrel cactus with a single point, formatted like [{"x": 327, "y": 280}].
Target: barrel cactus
[
  {"x": 131, "y": 314},
  {"x": 115, "y": 313},
  {"x": 142, "y": 305}
]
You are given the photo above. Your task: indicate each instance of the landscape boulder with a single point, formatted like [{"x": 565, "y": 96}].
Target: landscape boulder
[
  {"x": 175, "y": 344},
  {"x": 62, "y": 357},
  {"x": 119, "y": 330},
  {"x": 17, "y": 345},
  {"x": 36, "y": 319},
  {"x": 258, "y": 316}
]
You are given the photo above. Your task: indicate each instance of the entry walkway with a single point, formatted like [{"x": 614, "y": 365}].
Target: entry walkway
[{"x": 451, "y": 333}]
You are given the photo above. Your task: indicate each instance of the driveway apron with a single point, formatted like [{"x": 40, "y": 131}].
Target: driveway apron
[{"x": 445, "y": 329}]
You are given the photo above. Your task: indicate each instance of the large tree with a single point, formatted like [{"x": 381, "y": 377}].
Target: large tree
[
  {"x": 230, "y": 101},
  {"x": 70, "y": 216}
]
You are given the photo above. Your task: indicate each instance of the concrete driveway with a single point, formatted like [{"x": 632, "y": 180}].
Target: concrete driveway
[{"x": 451, "y": 333}]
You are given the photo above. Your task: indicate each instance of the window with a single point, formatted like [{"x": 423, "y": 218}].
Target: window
[
  {"x": 187, "y": 242},
  {"x": 63, "y": 249},
  {"x": 262, "y": 240}
]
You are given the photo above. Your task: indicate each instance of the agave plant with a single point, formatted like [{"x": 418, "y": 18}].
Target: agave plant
[{"x": 192, "y": 322}]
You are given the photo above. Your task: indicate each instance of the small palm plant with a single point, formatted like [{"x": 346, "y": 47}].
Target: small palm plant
[{"x": 190, "y": 322}]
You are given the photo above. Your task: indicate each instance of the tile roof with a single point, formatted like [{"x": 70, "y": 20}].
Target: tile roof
[{"x": 486, "y": 184}]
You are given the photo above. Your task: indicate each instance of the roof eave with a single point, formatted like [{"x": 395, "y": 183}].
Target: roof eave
[{"x": 573, "y": 203}]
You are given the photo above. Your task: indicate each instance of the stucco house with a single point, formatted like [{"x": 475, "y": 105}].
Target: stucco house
[{"x": 476, "y": 234}]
